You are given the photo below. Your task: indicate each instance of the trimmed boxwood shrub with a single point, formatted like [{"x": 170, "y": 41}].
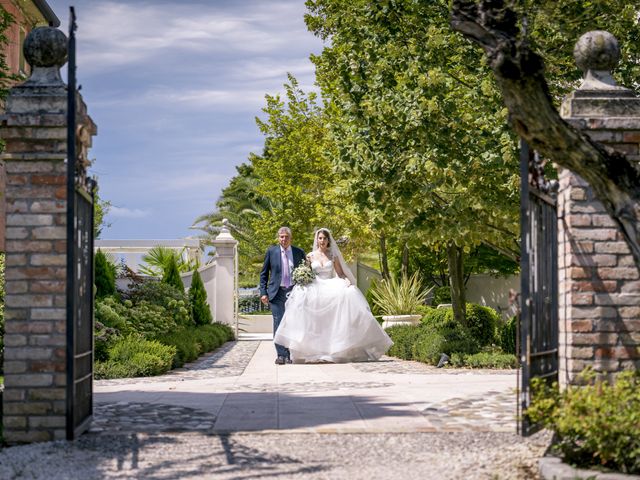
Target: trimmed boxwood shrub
[
  {"x": 494, "y": 359},
  {"x": 403, "y": 337},
  {"x": 432, "y": 342},
  {"x": 192, "y": 342},
  {"x": 137, "y": 357},
  {"x": 103, "y": 338},
  {"x": 150, "y": 320},
  {"x": 111, "y": 313},
  {"x": 175, "y": 301},
  {"x": 508, "y": 335},
  {"x": 482, "y": 323},
  {"x": 437, "y": 317}
]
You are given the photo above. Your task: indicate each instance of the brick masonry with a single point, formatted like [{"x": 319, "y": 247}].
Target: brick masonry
[
  {"x": 34, "y": 130},
  {"x": 599, "y": 284}
]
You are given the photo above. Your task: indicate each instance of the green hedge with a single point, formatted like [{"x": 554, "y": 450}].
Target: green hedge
[
  {"x": 403, "y": 337},
  {"x": 482, "y": 321},
  {"x": 508, "y": 335},
  {"x": 432, "y": 342},
  {"x": 192, "y": 342},
  {"x": 489, "y": 359},
  {"x": 134, "y": 356},
  {"x": 104, "y": 275},
  {"x": 439, "y": 333},
  {"x": 595, "y": 425}
]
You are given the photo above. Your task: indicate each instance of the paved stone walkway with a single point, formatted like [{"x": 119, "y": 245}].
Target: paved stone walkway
[
  {"x": 236, "y": 415},
  {"x": 239, "y": 389}
]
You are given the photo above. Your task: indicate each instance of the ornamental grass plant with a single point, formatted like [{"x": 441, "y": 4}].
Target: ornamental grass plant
[{"x": 402, "y": 295}]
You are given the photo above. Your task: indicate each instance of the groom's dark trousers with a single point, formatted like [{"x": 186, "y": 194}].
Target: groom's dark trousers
[{"x": 277, "y": 311}]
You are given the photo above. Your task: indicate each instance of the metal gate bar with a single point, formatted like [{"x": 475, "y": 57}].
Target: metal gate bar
[
  {"x": 538, "y": 326},
  {"x": 80, "y": 198}
]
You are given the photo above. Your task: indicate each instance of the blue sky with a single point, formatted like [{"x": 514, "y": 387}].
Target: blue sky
[{"x": 174, "y": 87}]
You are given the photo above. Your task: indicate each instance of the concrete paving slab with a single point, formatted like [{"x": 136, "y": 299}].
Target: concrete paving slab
[{"x": 250, "y": 393}]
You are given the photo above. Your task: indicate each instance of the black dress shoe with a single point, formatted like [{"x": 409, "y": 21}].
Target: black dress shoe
[{"x": 280, "y": 361}]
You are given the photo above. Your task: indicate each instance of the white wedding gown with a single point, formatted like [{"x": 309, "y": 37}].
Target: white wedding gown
[{"x": 328, "y": 321}]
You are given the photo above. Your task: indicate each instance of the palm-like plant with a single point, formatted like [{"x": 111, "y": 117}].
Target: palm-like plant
[
  {"x": 243, "y": 208},
  {"x": 157, "y": 260},
  {"x": 399, "y": 295}
]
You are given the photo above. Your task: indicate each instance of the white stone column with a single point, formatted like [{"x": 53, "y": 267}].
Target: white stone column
[{"x": 225, "y": 283}]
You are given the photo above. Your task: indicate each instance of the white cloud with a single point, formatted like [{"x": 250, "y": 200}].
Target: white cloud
[
  {"x": 174, "y": 87},
  {"x": 117, "y": 34},
  {"x": 124, "y": 212},
  {"x": 268, "y": 68}
]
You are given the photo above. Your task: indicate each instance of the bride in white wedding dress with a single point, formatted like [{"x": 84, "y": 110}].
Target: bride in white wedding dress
[{"x": 329, "y": 320}]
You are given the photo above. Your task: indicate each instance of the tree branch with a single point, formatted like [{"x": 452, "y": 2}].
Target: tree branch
[{"x": 519, "y": 74}]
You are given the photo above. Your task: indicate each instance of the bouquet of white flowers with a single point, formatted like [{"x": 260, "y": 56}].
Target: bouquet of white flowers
[{"x": 303, "y": 274}]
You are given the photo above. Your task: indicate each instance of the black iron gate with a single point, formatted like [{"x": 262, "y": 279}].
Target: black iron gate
[
  {"x": 80, "y": 197},
  {"x": 538, "y": 326}
]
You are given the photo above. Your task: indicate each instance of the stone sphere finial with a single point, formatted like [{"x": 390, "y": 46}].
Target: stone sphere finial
[
  {"x": 597, "y": 53},
  {"x": 597, "y": 50},
  {"x": 46, "y": 47}
]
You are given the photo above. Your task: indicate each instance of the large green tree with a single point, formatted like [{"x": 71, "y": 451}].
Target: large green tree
[
  {"x": 296, "y": 172},
  {"x": 417, "y": 123},
  {"x": 515, "y": 51},
  {"x": 293, "y": 182}
]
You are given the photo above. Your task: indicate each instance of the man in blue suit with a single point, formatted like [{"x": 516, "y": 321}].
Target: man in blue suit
[{"x": 276, "y": 282}]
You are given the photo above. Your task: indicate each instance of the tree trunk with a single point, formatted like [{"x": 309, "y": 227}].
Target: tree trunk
[
  {"x": 456, "y": 281},
  {"x": 384, "y": 264},
  {"x": 405, "y": 260},
  {"x": 519, "y": 74}
]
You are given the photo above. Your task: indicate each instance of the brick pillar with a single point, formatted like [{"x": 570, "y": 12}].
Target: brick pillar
[
  {"x": 599, "y": 283},
  {"x": 225, "y": 284},
  {"x": 2, "y": 206},
  {"x": 34, "y": 128}
]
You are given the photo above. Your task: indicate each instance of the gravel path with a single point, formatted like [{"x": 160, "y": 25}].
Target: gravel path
[{"x": 417, "y": 456}]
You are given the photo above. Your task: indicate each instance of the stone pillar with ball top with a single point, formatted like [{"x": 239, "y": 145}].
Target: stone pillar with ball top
[
  {"x": 34, "y": 129},
  {"x": 599, "y": 284},
  {"x": 226, "y": 265}
]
